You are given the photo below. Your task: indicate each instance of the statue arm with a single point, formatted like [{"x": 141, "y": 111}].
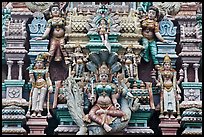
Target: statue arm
[
  {"x": 49, "y": 82},
  {"x": 31, "y": 76}
]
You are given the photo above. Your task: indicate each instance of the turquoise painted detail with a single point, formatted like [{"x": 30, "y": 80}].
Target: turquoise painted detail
[
  {"x": 194, "y": 85},
  {"x": 168, "y": 32},
  {"x": 14, "y": 83}
]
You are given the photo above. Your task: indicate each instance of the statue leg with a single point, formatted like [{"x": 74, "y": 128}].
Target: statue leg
[
  {"x": 57, "y": 87},
  {"x": 153, "y": 50},
  {"x": 43, "y": 92},
  {"x": 34, "y": 101},
  {"x": 117, "y": 113},
  {"x": 145, "y": 53}
]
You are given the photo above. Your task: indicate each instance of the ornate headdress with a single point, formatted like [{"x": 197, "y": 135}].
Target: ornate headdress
[
  {"x": 103, "y": 69},
  {"x": 167, "y": 58}
]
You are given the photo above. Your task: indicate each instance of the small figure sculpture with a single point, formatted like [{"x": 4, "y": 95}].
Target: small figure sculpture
[
  {"x": 78, "y": 61},
  {"x": 169, "y": 101},
  {"x": 40, "y": 79},
  {"x": 130, "y": 62},
  {"x": 106, "y": 108},
  {"x": 55, "y": 29},
  {"x": 103, "y": 30},
  {"x": 150, "y": 31}
]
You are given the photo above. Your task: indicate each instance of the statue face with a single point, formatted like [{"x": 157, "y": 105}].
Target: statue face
[
  {"x": 151, "y": 14},
  {"x": 55, "y": 11},
  {"x": 39, "y": 64},
  {"x": 103, "y": 77},
  {"x": 167, "y": 65}
]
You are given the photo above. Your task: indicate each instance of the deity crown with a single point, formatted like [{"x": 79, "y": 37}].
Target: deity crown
[
  {"x": 104, "y": 69},
  {"x": 167, "y": 58}
]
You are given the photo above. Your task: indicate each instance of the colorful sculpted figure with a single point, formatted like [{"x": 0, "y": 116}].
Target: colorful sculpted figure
[
  {"x": 56, "y": 30},
  {"x": 150, "y": 31},
  {"x": 41, "y": 83},
  {"x": 78, "y": 61},
  {"x": 103, "y": 30},
  {"x": 169, "y": 101},
  {"x": 130, "y": 62},
  {"x": 104, "y": 96}
]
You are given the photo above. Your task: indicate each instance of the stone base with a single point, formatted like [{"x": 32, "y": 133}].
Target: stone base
[
  {"x": 37, "y": 125},
  {"x": 169, "y": 126},
  {"x": 66, "y": 130},
  {"x": 132, "y": 130}
]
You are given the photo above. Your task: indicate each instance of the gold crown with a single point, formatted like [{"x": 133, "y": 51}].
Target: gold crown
[
  {"x": 39, "y": 57},
  {"x": 167, "y": 58},
  {"x": 103, "y": 69}
]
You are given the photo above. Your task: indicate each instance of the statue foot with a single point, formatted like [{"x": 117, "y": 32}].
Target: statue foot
[
  {"x": 33, "y": 115},
  {"x": 161, "y": 116},
  {"x": 49, "y": 115},
  {"x": 107, "y": 127},
  {"x": 124, "y": 118},
  {"x": 28, "y": 114},
  {"x": 172, "y": 116},
  {"x": 39, "y": 115},
  {"x": 166, "y": 116},
  {"x": 178, "y": 117}
]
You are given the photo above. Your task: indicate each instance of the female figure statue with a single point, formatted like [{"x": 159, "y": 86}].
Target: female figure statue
[
  {"x": 78, "y": 61},
  {"x": 104, "y": 30},
  {"x": 169, "y": 100},
  {"x": 104, "y": 96},
  {"x": 40, "y": 79},
  {"x": 150, "y": 31},
  {"x": 130, "y": 62},
  {"x": 56, "y": 29}
]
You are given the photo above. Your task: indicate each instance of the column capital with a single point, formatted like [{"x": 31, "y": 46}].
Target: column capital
[
  {"x": 9, "y": 62},
  {"x": 20, "y": 62},
  {"x": 185, "y": 65},
  {"x": 196, "y": 65}
]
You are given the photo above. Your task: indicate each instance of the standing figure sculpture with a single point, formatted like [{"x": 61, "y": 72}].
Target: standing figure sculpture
[
  {"x": 78, "y": 62},
  {"x": 104, "y": 95},
  {"x": 41, "y": 83},
  {"x": 150, "y": 31},
  {"x": 130, "y": 62},
  {"x": 103, "y": 30},
  {"x": 169, "y": 100},
  {"x": 56, "y": 30}
]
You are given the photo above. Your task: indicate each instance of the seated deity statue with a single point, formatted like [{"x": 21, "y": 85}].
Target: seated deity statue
[{"x": 104, "y": 97}]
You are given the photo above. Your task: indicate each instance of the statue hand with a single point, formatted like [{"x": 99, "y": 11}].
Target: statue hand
[
  {"x": 100, "y": 111},
  {"x": 158, "y": 85},
  {"x": 50, "y": 89},
  {"x": 178, "y": 97},
  {"x": 117, "y": 105},
  {"x": 130, "y": 95}
]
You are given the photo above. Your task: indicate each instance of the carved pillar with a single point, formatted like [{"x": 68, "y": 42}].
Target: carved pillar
[
  {"x": 196, "y": 66},
  {"x": 190, "y": 54},
  {"x": 9, "y": 63},
  {"x": 185, "y": 67},
  {"x": 20, "y": 63}
]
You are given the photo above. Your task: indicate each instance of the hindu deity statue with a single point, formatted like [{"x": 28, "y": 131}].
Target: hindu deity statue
[
  {"x": 104, "y": 30},
  {"x": 170, "y": 91},
  {"x": 104, "y": 95},
  {"x": 150, "y": 31},
  {"x": 130, "y": 62},
  {"x": 78, "y": 61},
  {"x": 41, "y": 83},
  {"x": 56, "y": 30}
]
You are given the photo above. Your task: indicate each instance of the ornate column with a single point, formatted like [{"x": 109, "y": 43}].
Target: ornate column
[
  {"x": 9, "y": 63},
  {"x": 190, "y": 55},
  {"x": 20, "y": 64},
  {"x": 15, "y": 36},
  {"x": 185, "y": 67}
]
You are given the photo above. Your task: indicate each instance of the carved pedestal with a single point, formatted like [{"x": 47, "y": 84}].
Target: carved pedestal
[
  {"x": 169, "y": 126},
  {"x": 66, "y": 130},
  {"x": 37, "y": 125}
]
